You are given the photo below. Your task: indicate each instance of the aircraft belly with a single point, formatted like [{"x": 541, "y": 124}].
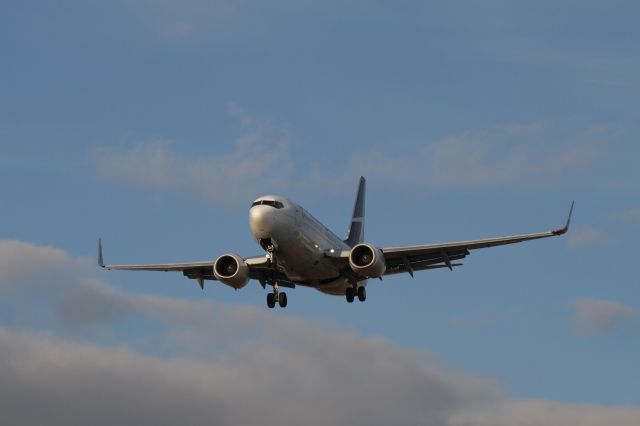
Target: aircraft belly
[{"x": 303, "y": 259}]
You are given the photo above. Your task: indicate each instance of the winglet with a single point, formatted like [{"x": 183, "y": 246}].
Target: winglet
[
  {"x": 100, "y": 260},
  {"x": 566, "y": 226}
]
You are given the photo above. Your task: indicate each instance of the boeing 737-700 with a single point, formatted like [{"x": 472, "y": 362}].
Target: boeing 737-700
[{"x": 301, "y": 251}]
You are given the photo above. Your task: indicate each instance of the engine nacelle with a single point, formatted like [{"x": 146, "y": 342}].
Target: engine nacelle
[
  {"x": 232, "y": 270},
  {"x": 367, "y": 260}
]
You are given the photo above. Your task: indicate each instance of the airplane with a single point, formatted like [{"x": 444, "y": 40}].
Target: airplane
[{"x": 301, "y": 251}]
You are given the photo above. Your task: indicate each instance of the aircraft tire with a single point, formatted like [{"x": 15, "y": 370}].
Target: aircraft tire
[
  {"x": 271, "y": 300},
  {"x": 282, "y": 300},
  {"x": 362, "y": 294},
  {"x": 349, "y": 294}
]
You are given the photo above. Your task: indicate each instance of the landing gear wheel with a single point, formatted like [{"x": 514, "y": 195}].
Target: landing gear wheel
[
  {"x": 349, "y": 294},
  {"x": 282, "y": 300},
  {"x": 362, "y": 294},
  {"x": 271, "y": 300}
]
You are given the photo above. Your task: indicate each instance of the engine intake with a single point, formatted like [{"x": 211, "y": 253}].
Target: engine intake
[
  {"x": 232, "y": 270},
  {"x": 367, "y": 260}
]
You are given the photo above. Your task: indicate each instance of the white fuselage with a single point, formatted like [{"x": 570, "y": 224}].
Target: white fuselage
[{"x": 303, "y": 245}]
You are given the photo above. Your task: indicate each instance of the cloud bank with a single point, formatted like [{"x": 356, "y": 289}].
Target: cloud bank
[{"x": 228, "y": 365}]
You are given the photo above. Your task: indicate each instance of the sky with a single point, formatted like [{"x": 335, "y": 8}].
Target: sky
[{"x": 155, "y": 124}]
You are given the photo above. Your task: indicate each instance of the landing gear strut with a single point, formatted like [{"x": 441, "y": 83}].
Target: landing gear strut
[{"x": 280, "y": 297}]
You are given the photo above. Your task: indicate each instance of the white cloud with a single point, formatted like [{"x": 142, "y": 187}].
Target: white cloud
[
  {"x": 630, "y": 215},
  {"x": 234, "y": 365},
  {"x": 511, "y": 156},
  {"x": 523, "y": 157},
  {"x": 483, "y": 320},
  {"x": 258, "y": 160},
  {"x": 181, "y": 21},
  {"x": 588, "y": 237},
  {"x": 600, "y": 317}
]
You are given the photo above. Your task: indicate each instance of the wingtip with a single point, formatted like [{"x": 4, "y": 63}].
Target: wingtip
[
  {"x": 564, "y": 229},
  {"x": 100, "y": 259}
]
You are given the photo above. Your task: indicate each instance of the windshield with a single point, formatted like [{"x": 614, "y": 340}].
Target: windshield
[{"x": 276, "y": 204}]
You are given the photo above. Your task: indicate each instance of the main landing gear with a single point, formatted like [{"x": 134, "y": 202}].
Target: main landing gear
[
  {"x": 351, "y": 292},
  {"x": 280, "y": 297}
]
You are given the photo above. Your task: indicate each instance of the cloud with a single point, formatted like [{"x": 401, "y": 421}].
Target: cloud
[
  {"x": 483, "y": 320},
  {"x": 231, "y": 365},
  {"x": 525, "y": 413},
  {"x": 523, "y": 156},
  {"x": 182, "y": 21},
  {"x": 318, "y": 380},
  {"x": 321, "y": 379},
  {"x": 258, "y": 160},
  {"x": 599, "y": 317},
  {"x": 630, "y": 215},
  {"x": 226, "y": 364},
  {"x": 27, "y": 267},
  {"x": 588, "y": 237}
]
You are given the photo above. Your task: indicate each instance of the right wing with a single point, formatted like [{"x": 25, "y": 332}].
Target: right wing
[{"x": 203, "y": 270}]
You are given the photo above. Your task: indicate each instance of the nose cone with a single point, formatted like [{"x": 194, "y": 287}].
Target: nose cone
[{"x": 261, "y": 220}]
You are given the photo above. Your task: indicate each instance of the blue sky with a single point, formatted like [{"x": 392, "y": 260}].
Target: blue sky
[{"x": 154, "y": 125}]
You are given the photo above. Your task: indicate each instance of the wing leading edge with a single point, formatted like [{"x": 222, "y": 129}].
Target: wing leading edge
[{"x": 443, "y": 255}]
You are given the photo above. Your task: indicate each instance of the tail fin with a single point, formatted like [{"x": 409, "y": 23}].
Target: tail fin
[{"x": 355, "y": 234}]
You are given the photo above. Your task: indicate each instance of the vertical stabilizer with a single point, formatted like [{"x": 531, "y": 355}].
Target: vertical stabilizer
[{"x": 355, "y": 234}]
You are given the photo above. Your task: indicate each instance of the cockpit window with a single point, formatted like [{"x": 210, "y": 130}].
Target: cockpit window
[{"x": 276, "y": 204}]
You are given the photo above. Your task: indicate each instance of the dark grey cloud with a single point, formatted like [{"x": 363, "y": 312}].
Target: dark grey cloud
[
  {"x": 548, "y": 413},
  {"x": 233, "y": 365},
  {"x": 323, "y": 378},
  {"x": 25, "y": 267}
]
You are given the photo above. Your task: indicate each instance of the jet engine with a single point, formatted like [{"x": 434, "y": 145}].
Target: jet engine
[
  {"x": 232, "y": 270},
  {"x": 367, "y": 260}
]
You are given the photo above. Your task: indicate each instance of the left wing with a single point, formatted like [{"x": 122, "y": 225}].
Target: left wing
[{"x": 443, "y": 255}]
